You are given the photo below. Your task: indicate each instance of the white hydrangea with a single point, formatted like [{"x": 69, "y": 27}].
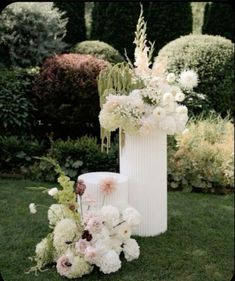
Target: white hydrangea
[
  {"x": 110, "y": 215},
  {"x": 115, "y": 244},
  {"x": 188, "y": 79},
  {"x": 66, "y": 232},
  {"x": 55, "y": 213},
  {"x": 131, "y": 250},
  {"x": 131, "y": 216},
  {"x": 148, "y": 124},
  {"x": 168, "y": 125},
  {"x": 110, "y": 262}
]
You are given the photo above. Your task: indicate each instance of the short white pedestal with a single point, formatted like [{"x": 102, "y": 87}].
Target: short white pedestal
[
  {"x": 119, "y": 198},
  {"x": 143, "y": 159}
]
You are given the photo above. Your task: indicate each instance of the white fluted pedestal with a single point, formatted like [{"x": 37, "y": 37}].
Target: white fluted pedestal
[
  {"x": 119, "y": 198},
  {"x": 143, "y": 159}
]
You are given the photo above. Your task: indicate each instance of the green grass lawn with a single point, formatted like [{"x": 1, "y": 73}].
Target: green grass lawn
[{"x": 198, "y": 245}]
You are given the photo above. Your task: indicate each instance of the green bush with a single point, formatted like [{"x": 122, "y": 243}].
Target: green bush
[
  {"x": 219, "y": 20},
  {"x": 212, "y": 57},
  {"x": 31, "y": 32},
  {"x": 16, "y": 110},
  {"x": 115, "y": 24},
  {"x": 100, "y": 50},
  {"x": 202, "y": 159},
  {"x": 167, "y": 21},
  {"x": 76, "y": 157},
  {"x": 66, "y": 94},
  {"x": 16, "y": 153},
  {"x": 76, "y": 29}
]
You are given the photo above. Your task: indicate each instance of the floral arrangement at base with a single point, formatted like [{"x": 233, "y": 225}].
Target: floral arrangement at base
[
  {"x": 143, "y": 98},
  {"x": 82, "y": 239}
]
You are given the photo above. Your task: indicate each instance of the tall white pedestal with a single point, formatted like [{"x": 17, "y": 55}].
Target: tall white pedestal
[{"x": 143, "y": 159}]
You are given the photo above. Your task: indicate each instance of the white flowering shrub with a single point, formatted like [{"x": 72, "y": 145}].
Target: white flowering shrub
[
  {"x": 212, "y": 57},
  {"x": 31, "y": 32},
  {"x": 203, "y": 159}
]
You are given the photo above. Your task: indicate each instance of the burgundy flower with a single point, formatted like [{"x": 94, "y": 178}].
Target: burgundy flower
[
  {"x": 80, "y": 187},
  {"x": 86, "y": 235}
]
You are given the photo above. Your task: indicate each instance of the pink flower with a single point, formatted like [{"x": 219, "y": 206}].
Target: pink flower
[
  {"x": 108, "y": 185},
  {"x": 64, "y": 264},
  {"x": 81, "y": 245},
  {"x": 95, "y": 224},
  {"x": 91, "y": 254}
]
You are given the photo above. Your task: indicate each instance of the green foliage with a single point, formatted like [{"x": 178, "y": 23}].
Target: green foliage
[
  {"x": 167, "y": 21},
  {"x": 16, "y": 109},
  {"x": 76, "y": 29},
  {"x": 212, "y": 57},
  {"x": 31, "y": 32},
  {"x": 66, "y": 94},
  {"x": 76, "y": 157},
  {"x": 16, "y": 154},
  {"x": 98, "y": 49},
  {"x": 114, "y": 23},
  {"x": 219, "y": 20},
  {"x": 202, "y": 159}
]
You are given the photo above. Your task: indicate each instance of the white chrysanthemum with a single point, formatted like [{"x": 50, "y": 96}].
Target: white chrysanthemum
[
  {"x": 159, "y": 112},
  {"x": 131, "y": 216},
  {"x": 167, "y": 98},
  {"x": 182, "y": 110},
  {"x": 72, "y": 266},
  {"x": 168, "y": 125},
  {"x": 55, "y": 213},
  {"x": 188, "y": 79},
  {"x": 110, "y": 262},
  {"x": 110, "y": 215},
  {"x": 131, "y": 250},
  {"x": 32, "y": 208},
  {"x": 65, "y": 233},
  {"x": 179, "y": 97},
  {"x": 53, "y": 191},
  {"x": 170, "y": 78}
]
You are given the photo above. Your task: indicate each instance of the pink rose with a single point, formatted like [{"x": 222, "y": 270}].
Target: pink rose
[
  {"x": 90, "y": 254},
  {"x": 81, "y": 245},
  {"x": 95, "y": 224}
]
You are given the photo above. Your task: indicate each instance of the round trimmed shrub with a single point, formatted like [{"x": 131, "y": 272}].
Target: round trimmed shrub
[
  {"x": 30, "y": 32},
  {"x": 219, "y": 20},
  {"x": 100, "y": 50},
  {"x": 67, "y": 96},
  {"x": 75, "y": 12},
  {"x": 212, "y": 57}
]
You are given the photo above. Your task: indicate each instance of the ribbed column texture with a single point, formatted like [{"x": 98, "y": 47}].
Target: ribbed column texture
[
  {"x": 143, "y": 159},
  {"x": 117, "y": 199}
]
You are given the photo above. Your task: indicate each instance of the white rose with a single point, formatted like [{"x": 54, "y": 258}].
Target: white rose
[
  {"x": 53, "y": 191},
  {"x": 32, "y": 208},
  {"x": 170, "y": 78}
]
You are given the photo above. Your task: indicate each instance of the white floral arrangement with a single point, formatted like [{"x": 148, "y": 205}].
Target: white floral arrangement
[
  {"x": 156, "y": 103},
  {"x": 83, "y": 239}
]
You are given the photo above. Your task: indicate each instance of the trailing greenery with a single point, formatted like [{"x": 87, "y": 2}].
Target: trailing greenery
[
  {"x": 219, "y": 20},
  {"x": 64, "y": 91},
  {"x": 16, "y": 153},
  {"x": 75, "y": 12},
  {"x": 75, "y": 157},
  {"x": 114, "y": 23},
  {"x": 16, "y": 109},
  {"x": 31, "y": 32},
  {"x": 98, "y": 49},
  {"x": 212, "y": 57},
  {"x": 198, "y": 9},
  {"x": 200, "y": 229},
  {"x": 203, "y": 157},
  {"x": 167, "y": 21}
]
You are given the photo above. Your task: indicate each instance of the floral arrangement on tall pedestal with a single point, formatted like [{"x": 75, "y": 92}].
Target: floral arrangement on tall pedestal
[{"x": 144, "y": 102}]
